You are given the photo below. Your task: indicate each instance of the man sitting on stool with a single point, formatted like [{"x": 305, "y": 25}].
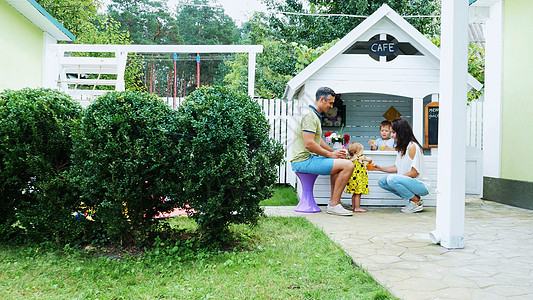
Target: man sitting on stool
[{"x": 311, "y": 154}]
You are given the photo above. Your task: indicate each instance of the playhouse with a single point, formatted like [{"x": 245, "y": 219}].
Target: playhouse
[{"x": 383, "y": 68}]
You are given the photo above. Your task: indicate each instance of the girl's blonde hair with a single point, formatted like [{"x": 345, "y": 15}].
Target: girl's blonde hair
[{"x": 354, "y": 148}]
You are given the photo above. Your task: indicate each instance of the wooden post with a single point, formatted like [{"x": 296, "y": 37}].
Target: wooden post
[
  {"x": 122, "y": 58},
  {"x": 418, "y": 118},
  {"x": 452, "y": 126},
  {"x": 251, "y": 73}
]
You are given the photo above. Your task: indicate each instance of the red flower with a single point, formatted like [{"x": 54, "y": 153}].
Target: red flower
[
  {"x": 327, "y": 134},
  {"x": 346, "y": 139}
]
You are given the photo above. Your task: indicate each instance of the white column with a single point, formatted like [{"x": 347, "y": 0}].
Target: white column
[
  {"x": 418, "y": 118},
  {"x": 50, "y": 71},
  {"x": 251, "y": 73},
  {"x": 452, "y": 126},
  {"x": 492, "y": 105}
]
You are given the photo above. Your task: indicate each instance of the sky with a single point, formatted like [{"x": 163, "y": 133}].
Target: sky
[{"x": 242, "y": 10}]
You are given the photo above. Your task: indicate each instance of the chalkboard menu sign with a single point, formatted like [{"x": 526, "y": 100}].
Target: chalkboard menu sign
[{"x": 432, "y": 125}]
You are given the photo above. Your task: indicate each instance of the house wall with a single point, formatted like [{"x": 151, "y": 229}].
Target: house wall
[
  {"x": 21, "y": 51},
  {"x": 517, "y": 110}
]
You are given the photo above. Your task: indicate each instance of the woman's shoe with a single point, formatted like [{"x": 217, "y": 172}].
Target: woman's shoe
[{"x": 413, "y": 207}]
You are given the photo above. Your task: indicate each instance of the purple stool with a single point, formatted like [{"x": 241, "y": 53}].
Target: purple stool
[{"x": 307, "y": 202}]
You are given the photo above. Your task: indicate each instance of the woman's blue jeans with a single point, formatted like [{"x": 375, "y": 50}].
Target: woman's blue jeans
[{"x": 403, "y": 186}]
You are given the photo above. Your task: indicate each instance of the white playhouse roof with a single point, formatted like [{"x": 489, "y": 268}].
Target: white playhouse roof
[{"x": 383, "y": 21}]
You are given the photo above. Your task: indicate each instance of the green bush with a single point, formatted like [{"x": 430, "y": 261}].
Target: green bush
[
  {"x": 229, "y": 161},
  {"x": 35, "y": 149},
  {"x": 125, "y": 163}
]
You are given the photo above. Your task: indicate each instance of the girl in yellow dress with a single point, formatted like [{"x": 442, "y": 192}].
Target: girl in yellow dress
[{"x": 358, "y": 183}]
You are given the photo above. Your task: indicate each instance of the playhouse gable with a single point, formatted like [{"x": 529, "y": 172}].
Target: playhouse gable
[{"x": 384, "y": 54}]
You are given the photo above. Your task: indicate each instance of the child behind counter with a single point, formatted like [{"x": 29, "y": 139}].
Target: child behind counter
[
  {"x": 385, "y": 142},
  {"x": 358, "y": 183}
]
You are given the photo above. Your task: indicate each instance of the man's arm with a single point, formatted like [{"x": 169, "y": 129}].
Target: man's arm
[
  {"x": 325, "y": 145},
  {"x": 311, "y": 145}
]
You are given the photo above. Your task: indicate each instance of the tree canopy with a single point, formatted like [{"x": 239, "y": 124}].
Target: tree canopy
[
  {"x": 314, "y": 31},
  {"x": 291, "y": 33},
  {"x": 206, "y": 25},
  {"x": 148, "y": 22},
  {"x": 74, "y": 15}
]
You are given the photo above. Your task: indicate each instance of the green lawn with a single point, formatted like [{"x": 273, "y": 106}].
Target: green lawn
[
  {"x": 286, "y": 258},
  {"x": 283, "y": 196}
]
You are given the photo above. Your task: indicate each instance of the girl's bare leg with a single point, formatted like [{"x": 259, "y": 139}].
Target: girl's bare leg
[{"x": 356, "y": 203}]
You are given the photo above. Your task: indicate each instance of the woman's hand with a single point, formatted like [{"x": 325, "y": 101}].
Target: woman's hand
[{"x": 389, "y": 169}]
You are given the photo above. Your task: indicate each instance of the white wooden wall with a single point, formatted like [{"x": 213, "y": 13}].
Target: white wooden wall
[{"x": 364, "y": 113}]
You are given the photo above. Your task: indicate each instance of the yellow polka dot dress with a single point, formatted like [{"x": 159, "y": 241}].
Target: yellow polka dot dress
[{"x": 358, "y": 183}]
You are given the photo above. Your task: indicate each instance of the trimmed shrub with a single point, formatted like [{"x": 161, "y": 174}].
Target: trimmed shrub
[
  {"x": 125, "y": 163},
  {"x": 35, "y": 149},
  {"x": 229, "y": 161}
]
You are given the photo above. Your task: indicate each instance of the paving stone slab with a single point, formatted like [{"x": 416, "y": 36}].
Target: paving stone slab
[{"x": 496, "y": 262}]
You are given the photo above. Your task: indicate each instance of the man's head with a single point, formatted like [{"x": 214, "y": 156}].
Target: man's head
[{"x": 325, "y": 97}]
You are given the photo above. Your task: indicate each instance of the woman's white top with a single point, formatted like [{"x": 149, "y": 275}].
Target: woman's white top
[{"x": 405, "y": 163}]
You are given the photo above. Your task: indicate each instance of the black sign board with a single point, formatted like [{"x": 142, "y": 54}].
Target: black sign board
[
  {"x": 432, "y": 125},
  {"x": 390, "y": 48}
]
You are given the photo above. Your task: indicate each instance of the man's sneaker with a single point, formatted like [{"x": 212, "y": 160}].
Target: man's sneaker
[
  {"x": 413, "y": 207},
  {"x": 338, "y": 210}
]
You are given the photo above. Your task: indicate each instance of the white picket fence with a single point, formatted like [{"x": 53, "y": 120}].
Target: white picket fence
[{"x": 281, "y": 116}]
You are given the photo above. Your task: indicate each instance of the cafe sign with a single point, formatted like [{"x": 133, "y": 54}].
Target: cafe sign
[
  {"x": 384, "y": 48},
  {"x": 377, "y": 47}
]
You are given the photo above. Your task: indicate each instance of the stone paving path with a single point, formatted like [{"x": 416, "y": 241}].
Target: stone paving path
[{"x": 496, "y": 263}]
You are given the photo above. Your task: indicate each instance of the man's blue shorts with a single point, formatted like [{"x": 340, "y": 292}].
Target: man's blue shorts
[{"x": 315, "y": 164}]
